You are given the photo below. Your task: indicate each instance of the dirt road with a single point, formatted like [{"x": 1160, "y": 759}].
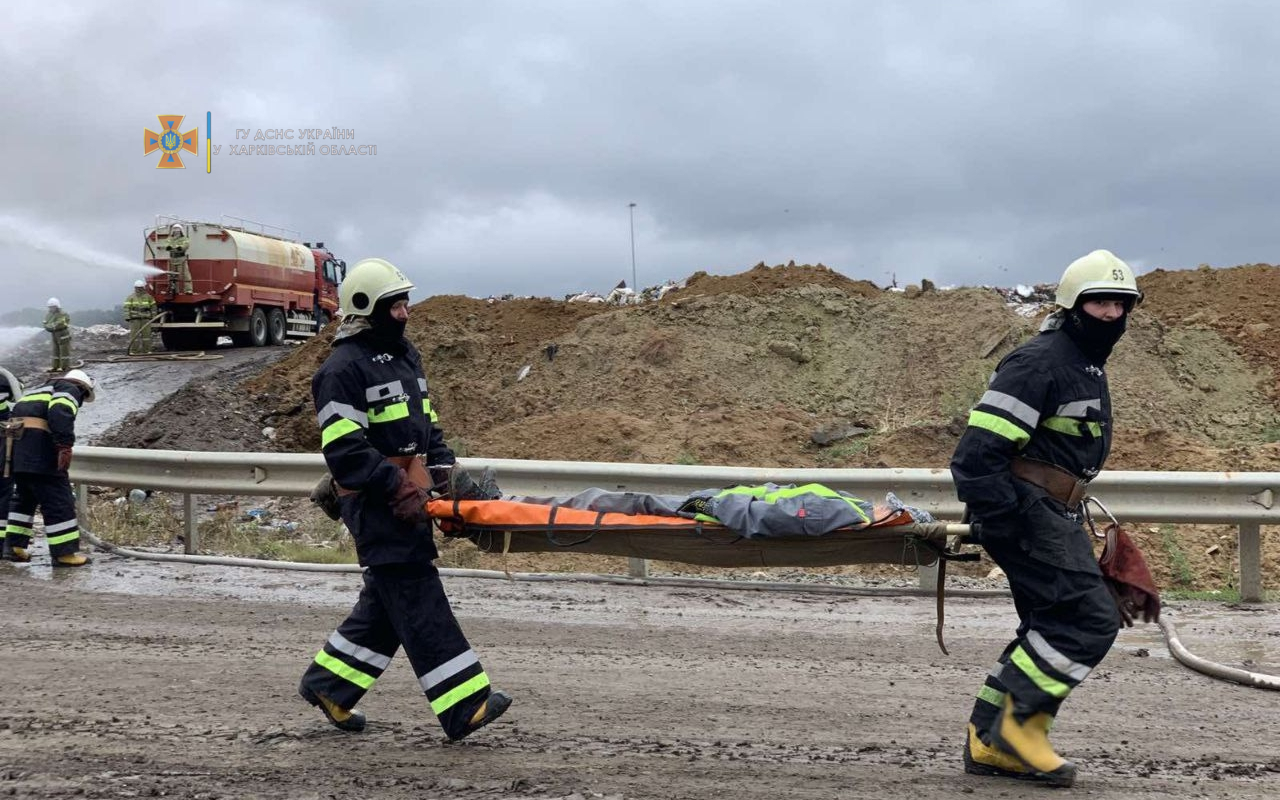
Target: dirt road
[{"x": 145, "y": 680}]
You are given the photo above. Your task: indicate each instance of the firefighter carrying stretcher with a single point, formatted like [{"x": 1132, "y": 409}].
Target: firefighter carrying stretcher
[
  {"x": 376, "y": 421},
  {"x": 1035, "y": 439}
]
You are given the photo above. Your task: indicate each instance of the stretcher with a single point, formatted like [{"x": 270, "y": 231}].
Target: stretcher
[{"x": 888, "y": 532}]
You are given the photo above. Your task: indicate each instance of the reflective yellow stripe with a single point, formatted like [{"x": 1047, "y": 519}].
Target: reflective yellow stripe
[
  {"x": 392, "y": 412},
  {"x": 1050, "y": 686},
  {"x": 428, "y": 410},
  {"x": 1071, "y": 426},
  {"x": 989, "y": 695},
  {"x": 451, "y": 698},
  {"x": 999, "y": 426},
  {"x": 336, "y": 431},
  {"x": 347, "y": 673},
  {"x": 64, "y": 538},
  {"x": 62, "y": 401}
]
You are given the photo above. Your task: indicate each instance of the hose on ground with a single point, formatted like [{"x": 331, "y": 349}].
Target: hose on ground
[{"x": 1188, "y": 659}]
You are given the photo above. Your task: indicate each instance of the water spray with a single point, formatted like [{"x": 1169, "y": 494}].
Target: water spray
[{"x": 16, "y": 230}]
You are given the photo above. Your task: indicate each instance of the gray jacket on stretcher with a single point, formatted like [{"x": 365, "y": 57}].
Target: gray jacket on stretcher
[{"x": 752, "y": 511}]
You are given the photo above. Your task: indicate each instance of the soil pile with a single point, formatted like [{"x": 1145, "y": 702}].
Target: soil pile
[{"x": 799, "y": 366}]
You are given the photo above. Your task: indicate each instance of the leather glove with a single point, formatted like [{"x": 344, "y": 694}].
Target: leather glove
[
  {"x": 409, "y": 501},
  {"x": 462, "y": 486},
  {"x": 325, "y": 495},
  {"x": 1128, "y": 578},
  {"x": 64, "y": 456}
]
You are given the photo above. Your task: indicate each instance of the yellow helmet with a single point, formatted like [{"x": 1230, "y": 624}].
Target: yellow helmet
[
  {"x": 370, "y": 280},
  {"x": 1100, "y": 272}
]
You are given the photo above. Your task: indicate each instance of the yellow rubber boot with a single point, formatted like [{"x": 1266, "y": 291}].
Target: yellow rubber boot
[
  {"x": 17, "y": 554},
  {"x": 71, "y": 560},
  {"x": 351, "y": 720},
  {"x": 981, "y": 758},
  {"x": 1028, "y": 741},
  {"x": 493, "y": 707}
]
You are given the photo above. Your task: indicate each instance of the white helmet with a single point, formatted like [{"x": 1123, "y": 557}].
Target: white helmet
[
  {"x": 53, "y": 303},
  {"x": 15, "y": 385},
  {"x": 1099, "y": 272},
  {"x": 370, "y": 280},
  {"x": 177, "y": 229},
  {"x": 81, "y": 377},
  {"x": 139, "y": 284}
]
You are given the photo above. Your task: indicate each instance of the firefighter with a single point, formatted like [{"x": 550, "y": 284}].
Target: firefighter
[
  {"x": 58, "y": 323},
  {"x": 179, "y": 270},
  {"x": 376, "y": 420},
  {"x": 1034, "y": 440},
  {"x": 139, "y": 311},
  {"x": 10, "y": 391},
  {"x": 41, "y": 457}
]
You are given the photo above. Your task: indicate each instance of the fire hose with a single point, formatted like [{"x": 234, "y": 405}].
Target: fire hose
[{"x": 189, "y": 355}]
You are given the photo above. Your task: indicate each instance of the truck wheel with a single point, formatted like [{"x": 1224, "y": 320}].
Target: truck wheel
[
  {"x": 275, "y": 327},
  {"x": 258, "y": 327},
  {"x": 173, "y": 341}
]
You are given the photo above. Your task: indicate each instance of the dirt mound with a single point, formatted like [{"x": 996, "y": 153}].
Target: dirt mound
[
  {"x": 801, "y": 367},
  {"x": 762, "y": 279},
  {"x": 1240, "y": 304}
]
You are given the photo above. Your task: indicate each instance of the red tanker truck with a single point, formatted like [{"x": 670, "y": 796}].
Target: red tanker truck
[{"x": 235, "y": 278}]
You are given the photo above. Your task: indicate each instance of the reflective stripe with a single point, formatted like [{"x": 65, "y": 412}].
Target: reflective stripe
[
  {"x": 336, "y": 431},
  {"x": 14, "y": 516},
  {"x": 63, "y": 539},
  {"x": 61, "y": 526},
  {"x": 344, "y": 410},
  {"x": 68, "y": 402},
  {"x": 344, "y": 645},
  {"x": 447, "y": 670},
  {"x": 428, "y": 410},
  {"x": 451, "y": 698},
  {"x": 1072, "y": 669},
  {"x": 999, "y": 426},
  {"x": 391, "y": 413},
  {"x": 1007, "y": 402},
  {"x": 1079, "y": 408},
  {"x": 989, "y": 695},
  {"x": 1071, "y": 426},
  {"x": 422, "y": 385},
  {"x": 384, "y": 391},
  {"x": 361, "y": 679},
  {"x": 1049, "y": 685},
  {"x": 18, "y": 528},
  {"x": 818, "y": 489}
]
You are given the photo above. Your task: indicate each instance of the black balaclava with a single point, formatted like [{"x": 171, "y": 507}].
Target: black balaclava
[
  {"x": 381, "y": 324},
  {"x": 1093, "y": 336}
]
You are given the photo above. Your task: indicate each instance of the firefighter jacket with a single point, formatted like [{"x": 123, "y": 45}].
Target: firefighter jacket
[
  {"x": 55, "y": 406},
  {"x": 139, "y": 305},
  {"x": 1046, "y": 401},
  {"x": 6, "y": 405},
  {"x": 372, "y": 402},
  {"x": 57, "y": 321}
]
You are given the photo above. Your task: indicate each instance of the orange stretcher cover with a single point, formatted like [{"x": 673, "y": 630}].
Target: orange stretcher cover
[{"x": 498, "y": 526}]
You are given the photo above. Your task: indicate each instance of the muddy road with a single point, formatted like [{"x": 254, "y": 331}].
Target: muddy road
[{"x": 151, "y": 680}]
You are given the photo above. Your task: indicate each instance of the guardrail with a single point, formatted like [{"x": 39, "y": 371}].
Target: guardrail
[{"x": 1244, "y": 499}]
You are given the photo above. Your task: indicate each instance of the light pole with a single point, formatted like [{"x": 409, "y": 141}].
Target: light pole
[{"x": 631, "y": 211}]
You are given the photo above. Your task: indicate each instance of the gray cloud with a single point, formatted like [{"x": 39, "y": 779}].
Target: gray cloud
[{"x": 968, "y": 143}]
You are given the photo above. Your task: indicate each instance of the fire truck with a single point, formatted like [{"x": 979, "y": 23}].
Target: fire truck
[{"x": 251, "y": 282}]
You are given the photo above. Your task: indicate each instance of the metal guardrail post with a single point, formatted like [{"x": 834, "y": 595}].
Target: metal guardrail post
[
  {"x": 1250, "y": 539},
  {"x": 189, "y": 523},
  {"x": 928, "y": 576},
  {"x": 638, "y": 567}
]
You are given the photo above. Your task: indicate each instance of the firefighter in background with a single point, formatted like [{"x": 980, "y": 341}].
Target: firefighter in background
[
  {"x": 1034, "y": 440},
  {"x": 41, "y": 458},
  {"x": 10, "y": 391},
  {"x": 179, "y": 271},
  {"x": 58, "y": 323},
  {"x": 376, "y": 419},
  {"x": 139, "y": 311}
]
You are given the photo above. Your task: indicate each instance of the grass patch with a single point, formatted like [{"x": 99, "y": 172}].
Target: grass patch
[
  {"x": 1271, "y": 433},
  {"x": 686, "y": 458},
  {"x": 1179, "y": 566},
  {"x": 1227, "y": 595}
]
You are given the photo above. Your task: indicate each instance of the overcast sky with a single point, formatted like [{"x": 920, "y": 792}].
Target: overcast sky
[{"x": 964, "y": 142}]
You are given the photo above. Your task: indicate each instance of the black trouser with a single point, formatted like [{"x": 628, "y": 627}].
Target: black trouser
[
  {"x": 53, "y": 495},
  {"x": 1067, "y": 617},
  {"x": 402, "y": 604},
  {"x": 6, "y": 493}
]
